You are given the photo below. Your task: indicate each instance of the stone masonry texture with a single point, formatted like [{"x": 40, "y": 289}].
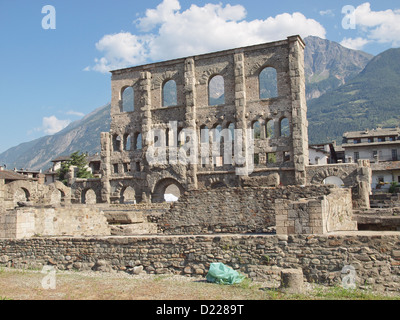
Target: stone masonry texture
[{"x": 321, "y": 257}]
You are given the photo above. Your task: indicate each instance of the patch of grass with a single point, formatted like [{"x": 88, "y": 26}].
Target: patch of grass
[{"x": 4, "y": 298}]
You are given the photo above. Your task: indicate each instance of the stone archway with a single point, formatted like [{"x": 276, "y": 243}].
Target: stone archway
[
  {"x": 88, "y": 196},
  {"x": 334, "y": 174},
  {"x": 128, "y": 195},
  {"x": 334, "y": 180},
  {"x": 21, "y": 195},
  {"x": 170, "y": 185}
]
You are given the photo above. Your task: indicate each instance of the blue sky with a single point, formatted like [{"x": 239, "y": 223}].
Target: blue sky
[{"x": 51, "y": 77}]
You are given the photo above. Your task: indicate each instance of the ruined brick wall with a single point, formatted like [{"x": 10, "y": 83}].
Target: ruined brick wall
[
  {"x": 374, "y": 256},
  {"x": 242, "y": 107},
  {"x": 357, "y": 176},
  {"x": 77, "y": 220},
  {"x": 35, "y": 193},
  {"x": 327, "y": 213},
  {"x": 234, "y": 210}
]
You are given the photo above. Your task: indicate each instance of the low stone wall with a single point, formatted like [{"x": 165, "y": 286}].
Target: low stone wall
[
  {"x": 233, "y": 210},
  {"x": 375, "y": 256},
  {"x": 76, "y": 220},
  {"x": 333, "y": 212}
]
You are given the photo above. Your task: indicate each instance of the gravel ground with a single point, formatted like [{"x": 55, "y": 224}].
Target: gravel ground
[{"x": 90, "y": 285}]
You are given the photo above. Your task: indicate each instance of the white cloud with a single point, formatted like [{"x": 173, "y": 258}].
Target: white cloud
[
  {"x": 355, "y": 44},
  {"x": 376, "y": 26},
  {"x": 75, "y": 113},
  {"x": 52, "y": 125},
  {"x": 328, "y": 13},
  {"x": 167, "y": 33}
]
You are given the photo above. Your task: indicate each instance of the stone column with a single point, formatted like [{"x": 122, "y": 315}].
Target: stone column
[
  {"x": 240, "y": 103},
  {"x": 145, "y": 114},
  {"x": 190, "y": 116},
  {"x": 105, "y": 167},
  {"x": 299, "y": 108}
]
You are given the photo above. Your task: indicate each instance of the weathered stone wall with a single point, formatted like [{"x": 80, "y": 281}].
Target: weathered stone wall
[
  {"x": 34, "y": 193},
  {"x": 357, "y": 176},
  {"x": 241, "y": 210},
  {"x": 328, "y": 213},
  {"x": 375, "y": 256},
  {"x": 242, "y": 107},
  {"x": 76, "y": 220}
]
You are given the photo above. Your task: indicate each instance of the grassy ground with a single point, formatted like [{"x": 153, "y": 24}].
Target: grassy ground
[{"x": 27, "y": 285}]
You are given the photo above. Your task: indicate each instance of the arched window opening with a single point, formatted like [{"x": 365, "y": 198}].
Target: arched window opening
[
  {"x": 257, "y": 133},
  {"x": 127, "y": 142},
  {"x": 169, "y": 94},
  {"x": 128, "y": 196},
  {"x": 138, "y": 141},
  {"x": 167, "y": 137},
  {"x": 116, "y": 143},
  {"x": 231, "y": 129},
  {"x": 168, "y": 190},
  {"x": 204, "y": 140},
  {"x": 271, "y": 158},
  {"x": 334, "y": 180},
  {"x": 268, "y": 83},
  {"x": 181, "y": 137},
  {"x": 284, "y": 127},
  {"x": 216, "y": 91},
  {"x": 128, "y": 101},
  {"x": 204, "y": 134},
  {"x": 217, "y": 146},
  {"x": 270, "y": 128},
  {"x": 88, "y": 197},
  {"x": 172, "y": 193}
]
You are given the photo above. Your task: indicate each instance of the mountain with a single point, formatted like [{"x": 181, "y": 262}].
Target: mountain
[
  {"x": 83, "y": 135},
  {"x": 327, "y": 66},
  {"x": 369, "y": 100}
]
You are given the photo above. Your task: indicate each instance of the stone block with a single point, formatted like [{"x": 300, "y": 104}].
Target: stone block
[{"x": 292, "y": 281}]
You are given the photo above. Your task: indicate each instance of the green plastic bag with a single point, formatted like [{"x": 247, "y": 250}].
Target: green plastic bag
[{"x": 222, "y": 274}]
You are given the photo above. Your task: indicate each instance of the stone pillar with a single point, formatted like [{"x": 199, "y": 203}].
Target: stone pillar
[
  {"x": 190, "y": 116},
  {"x": 292, "y": 281},
  {"x": 147, "y": 122},
  {"x": 145, "y": 108},
  {"x": 240, "y": 103},
  {"x": 105, "y": 167},
  {"x": 2, "y": 206},
  {"x": 299, "y": 108}
]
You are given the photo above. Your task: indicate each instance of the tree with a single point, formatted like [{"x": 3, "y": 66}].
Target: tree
[{"x": 78, "y": 160}]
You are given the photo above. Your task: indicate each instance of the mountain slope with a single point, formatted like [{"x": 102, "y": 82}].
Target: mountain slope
[
  {"x": 329, "y": 65},
  {"x": 83, "y": 135},
  {"x": 369, "y": 100}
]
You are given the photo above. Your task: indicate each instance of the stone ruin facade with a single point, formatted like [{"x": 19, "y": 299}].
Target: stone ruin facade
[
  {"x": 124, "y": 161},
  {"x": 169, "y": 99}
]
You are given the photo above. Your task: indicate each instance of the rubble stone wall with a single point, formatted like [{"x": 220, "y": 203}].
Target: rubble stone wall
[
  {"x": 255, "y": 210},
  {"x": 322, "y": 258}
]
